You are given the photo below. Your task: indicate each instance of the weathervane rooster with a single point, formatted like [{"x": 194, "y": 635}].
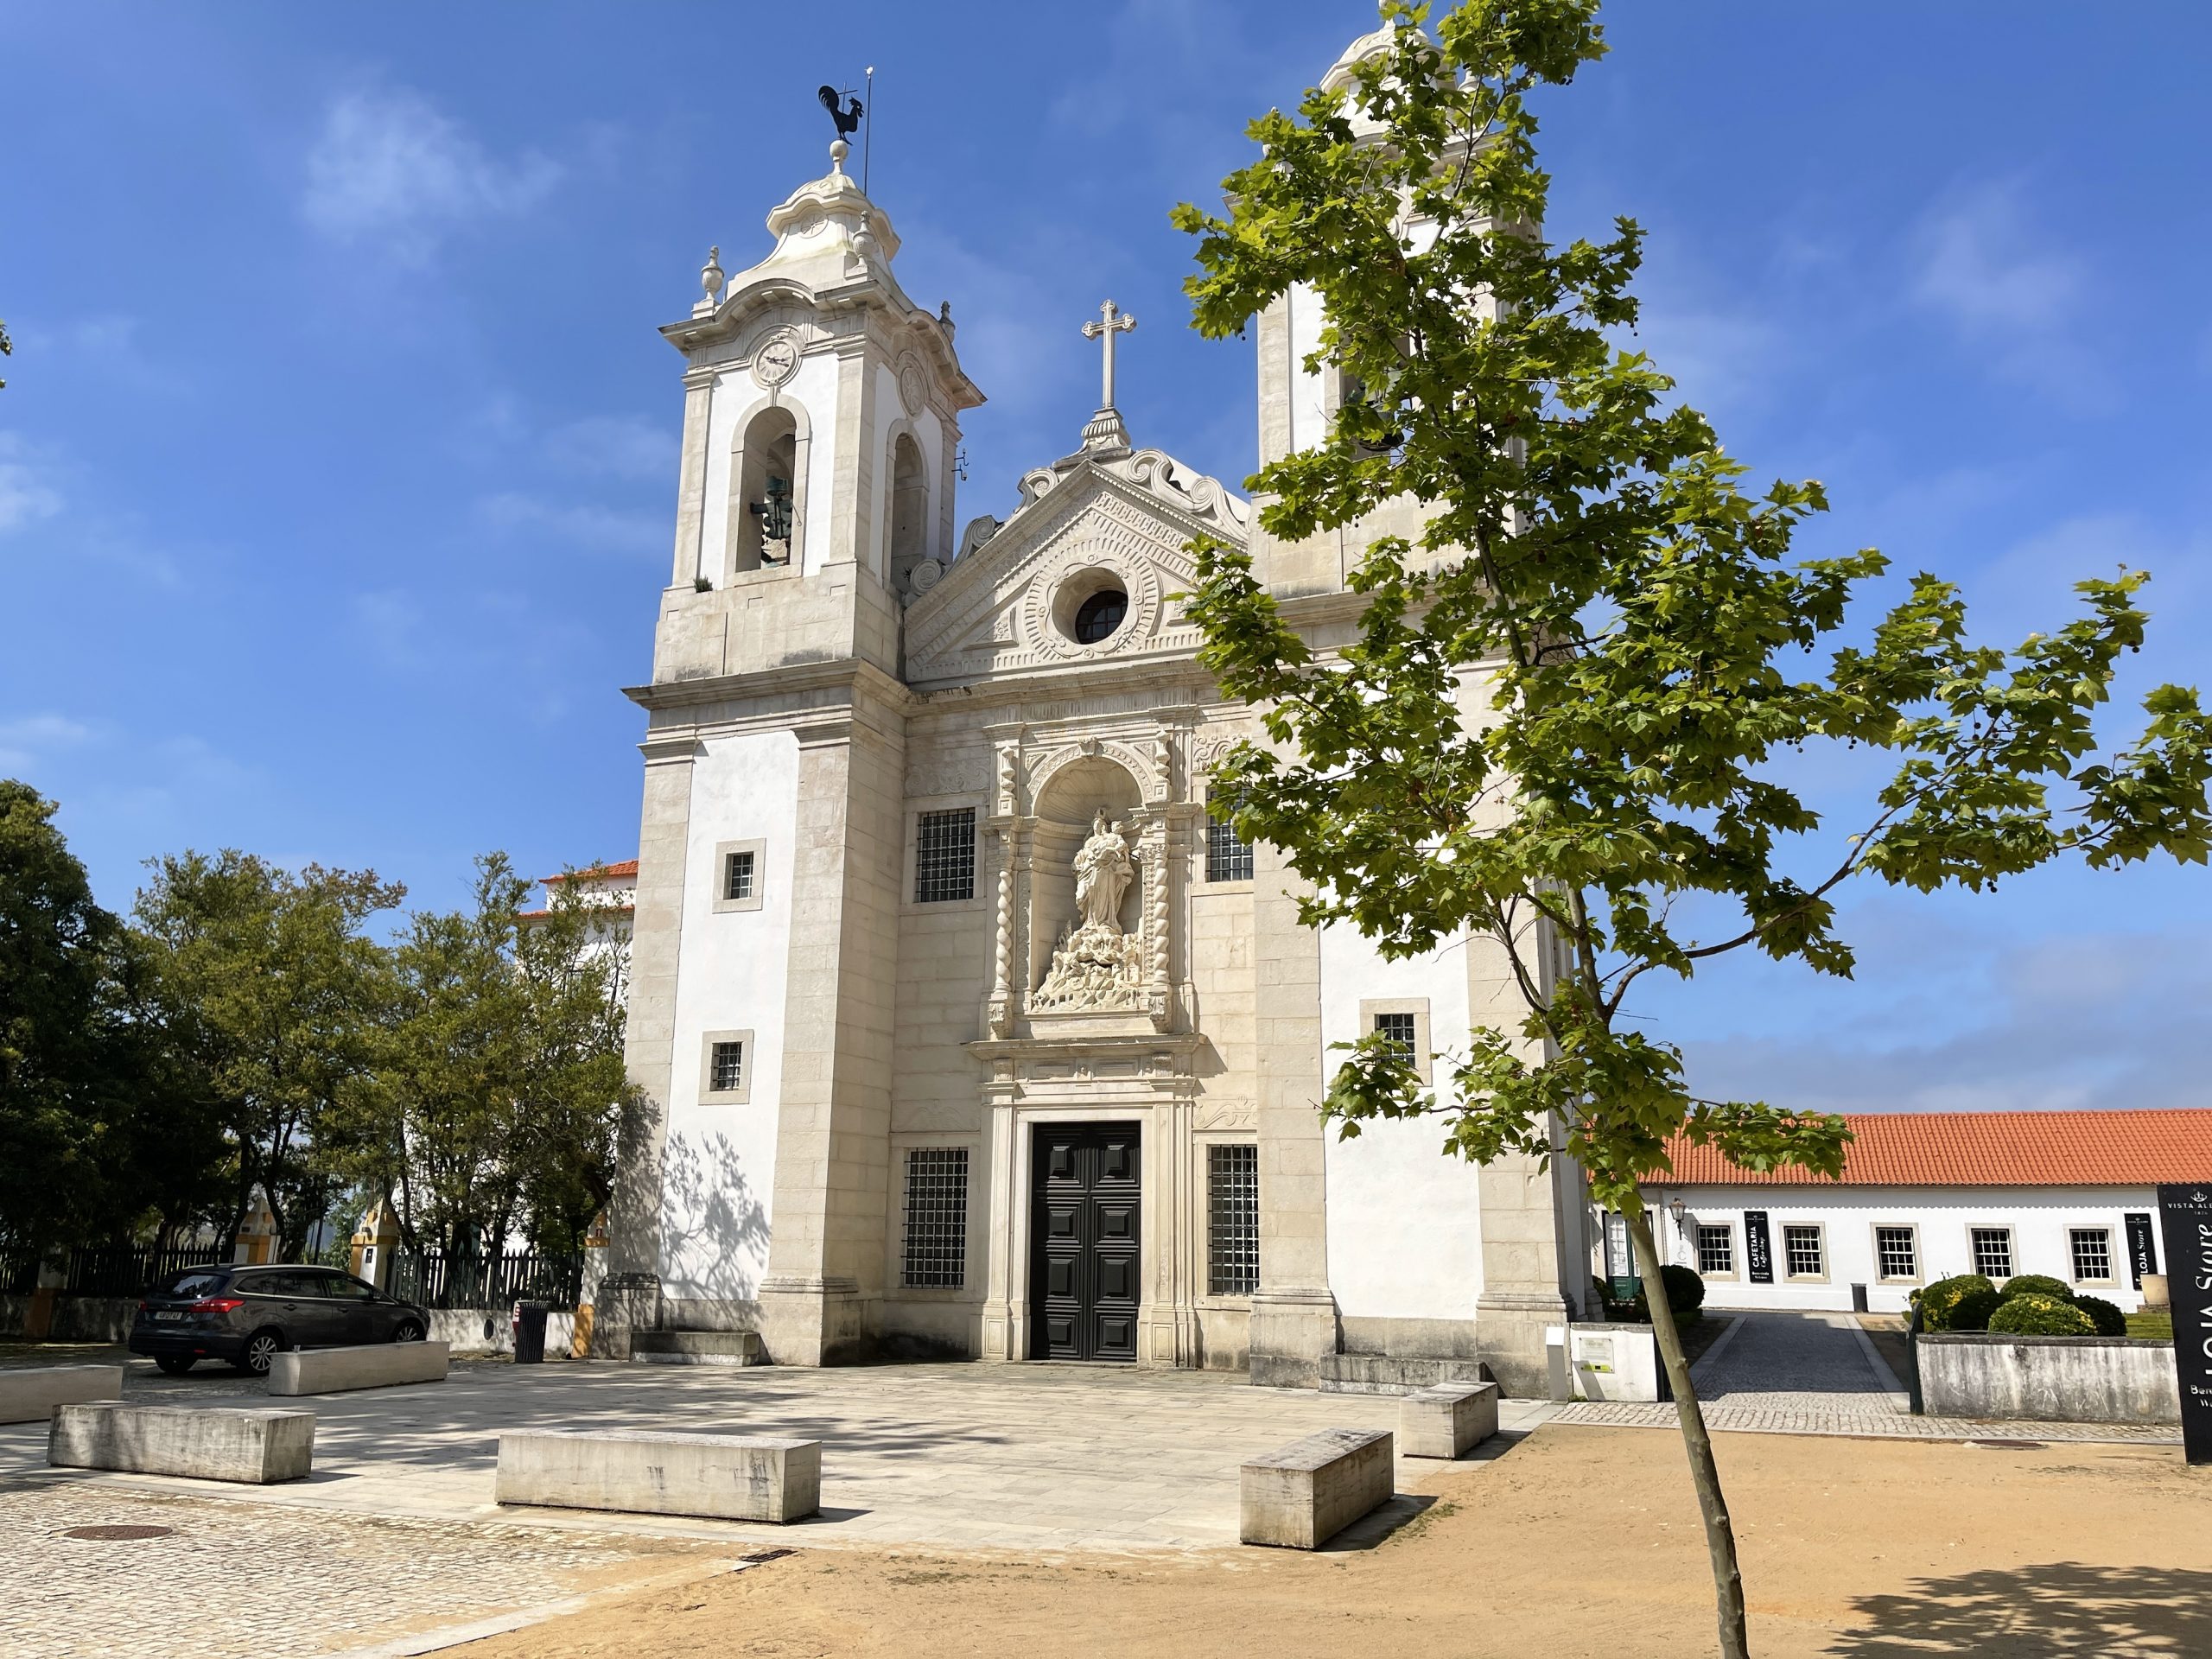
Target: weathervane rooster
[{"x": 848, "y": 119}]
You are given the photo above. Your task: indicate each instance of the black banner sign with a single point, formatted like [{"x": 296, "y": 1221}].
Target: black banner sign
[
  {"x": 2142, "y": 1253},
  {"x": 2185, "y": 1213},
  {"x": 1759, "y": 1253}
]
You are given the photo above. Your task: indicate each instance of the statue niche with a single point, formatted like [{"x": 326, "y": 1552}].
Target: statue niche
[{"x": 1096, "y": 964}]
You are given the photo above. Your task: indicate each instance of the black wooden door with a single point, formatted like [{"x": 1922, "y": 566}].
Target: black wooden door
[{"x": 1085, "y": 1250}]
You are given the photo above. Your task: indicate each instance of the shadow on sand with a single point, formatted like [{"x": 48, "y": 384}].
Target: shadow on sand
[{"x": 2064, "y": 1607}]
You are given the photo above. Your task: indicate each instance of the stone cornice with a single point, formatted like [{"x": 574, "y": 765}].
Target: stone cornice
[{"x": 781, "y": 681}]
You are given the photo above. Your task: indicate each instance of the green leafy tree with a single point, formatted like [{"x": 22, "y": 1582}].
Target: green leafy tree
[
  {"x": 1564, "y": 717},
  {"x": 271, "y": 988}
]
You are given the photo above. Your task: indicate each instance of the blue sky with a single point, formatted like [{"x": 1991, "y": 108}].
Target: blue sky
[{"x": 336, "y": 461}]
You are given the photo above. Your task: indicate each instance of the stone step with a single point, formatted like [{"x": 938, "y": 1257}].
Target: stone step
[
  {"x": 698, "y": 1348},
  {"x": 1387, "y": 1373}
]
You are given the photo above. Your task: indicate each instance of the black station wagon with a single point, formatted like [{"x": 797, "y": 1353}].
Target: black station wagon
[{"x": 247, "y": 1316}]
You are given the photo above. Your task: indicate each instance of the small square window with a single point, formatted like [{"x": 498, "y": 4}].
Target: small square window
[
  {"x": 1896, "y": 1252},
  {"x": 1229, "y": 858},
  {"x": 740, "y": 868},
  {"x": 2092, "y": 1255},
  {"x": 726, "y": 1067},
  {"x": 1402, "y": 1023},
  {"x": 1993, "y": 1251},
  {"x": 944, "y": 856},
  {"x": 1716, "y": 1249},
  {"x": 1802, "y": 1251}
]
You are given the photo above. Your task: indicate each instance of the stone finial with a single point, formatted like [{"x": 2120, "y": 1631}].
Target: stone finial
[
  {"x": 838, "y": 151},
  {"x": 944, "y": 317},
  {"x": 711, "y": 276}
]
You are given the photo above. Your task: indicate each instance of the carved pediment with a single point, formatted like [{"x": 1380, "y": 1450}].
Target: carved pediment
[{"x": 1086, "y": 525}]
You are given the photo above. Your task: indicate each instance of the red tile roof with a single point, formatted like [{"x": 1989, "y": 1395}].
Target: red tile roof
[
  {"x": 2125, "y": 1149},
  {"x": 627, "y": 867}
]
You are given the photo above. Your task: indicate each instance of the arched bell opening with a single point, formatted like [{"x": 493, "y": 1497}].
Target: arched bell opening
[
  {"x": 910, "y": 505},
  {"x": 764, "y": 520}
]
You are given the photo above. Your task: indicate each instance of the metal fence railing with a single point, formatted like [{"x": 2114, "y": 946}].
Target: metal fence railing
[
  {"x": 18, "y": 1271},
  {"x": 126, "y": 1269},
  {"x": 436, "y": 1278}
]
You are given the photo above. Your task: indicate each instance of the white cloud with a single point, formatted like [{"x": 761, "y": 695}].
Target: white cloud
[
  {"x": 389, "y": 170},
  {"x": 2009, "y": 289},
  {"x": 617, "y": 446},
  {"x": 584, "y": 524},
  {"x": 25, "y": 496},
  {"x": 28, "y": 738}
]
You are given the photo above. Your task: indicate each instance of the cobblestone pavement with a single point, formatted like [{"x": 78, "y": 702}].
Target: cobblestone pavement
[
  {"x": 252, "y": 1579},
  {"x": 1017, "y": 1457},
  {"x": 1815, "y": 1373}
]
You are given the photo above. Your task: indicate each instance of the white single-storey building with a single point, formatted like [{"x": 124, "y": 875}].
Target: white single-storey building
[{"x": 1922, "y": 1196}]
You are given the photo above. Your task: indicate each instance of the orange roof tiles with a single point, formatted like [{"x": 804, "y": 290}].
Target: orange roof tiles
[
  {"x": 2121, "y": 1148},
  {"x": 627, "y": 867}
]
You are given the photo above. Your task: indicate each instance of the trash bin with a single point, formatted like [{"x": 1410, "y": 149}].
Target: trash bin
[
  {"x": 529, "y": 1333},
  {"x": 1859, "y": 1299}
]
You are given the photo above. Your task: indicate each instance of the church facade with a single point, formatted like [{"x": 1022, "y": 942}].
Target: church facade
[{"x": 962, "y": 1025}]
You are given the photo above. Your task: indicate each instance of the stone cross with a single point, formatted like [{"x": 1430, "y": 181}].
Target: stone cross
[{"x": 1112, "y": 320}]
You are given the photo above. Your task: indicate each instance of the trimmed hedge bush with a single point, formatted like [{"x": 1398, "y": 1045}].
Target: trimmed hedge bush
[
  {"x": 2105, "y": 1316},
  {"x": 1939, "y": 1301},
  {"x": 2039, "y": 1284},
  {"x": 1972, "y": 1310},
  {"x": 1685, "y": 1288},
  {"x": 2040, "y": 1316}
]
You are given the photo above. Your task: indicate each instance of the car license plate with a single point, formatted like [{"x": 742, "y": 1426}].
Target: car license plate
[{"x": 169, "y": 1316}]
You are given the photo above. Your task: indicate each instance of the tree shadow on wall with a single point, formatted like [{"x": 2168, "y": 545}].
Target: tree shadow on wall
[
  {"x": 2064, "y": 1607},
  {"x": 713, "y": 1229}
]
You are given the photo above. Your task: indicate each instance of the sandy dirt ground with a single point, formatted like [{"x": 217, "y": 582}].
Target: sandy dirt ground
[{"x": 1576, "y": 1541}]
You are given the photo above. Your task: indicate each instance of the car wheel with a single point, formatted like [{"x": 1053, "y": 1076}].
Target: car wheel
[
  {"x": 174, "y": 1364},
  {"x": 261, "y": 1348},
  {"x": 407, "y": 1331}
]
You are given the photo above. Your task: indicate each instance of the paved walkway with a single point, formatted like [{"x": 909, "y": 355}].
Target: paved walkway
[
  {"x": 1816, "y": 1373},
  {"x": 1029, "y": 1458}
]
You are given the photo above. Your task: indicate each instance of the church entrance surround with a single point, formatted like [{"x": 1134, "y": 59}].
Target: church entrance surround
[{"x": 1086, "y": 1241}]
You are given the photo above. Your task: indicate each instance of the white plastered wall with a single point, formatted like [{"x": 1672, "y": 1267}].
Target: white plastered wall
[
  {"x": 1404, "y": 1229},
  {"x": 719, "y": 1172},
  {"x": 1309, "y": 399},
  {"x": 2041, "y": 1218}
]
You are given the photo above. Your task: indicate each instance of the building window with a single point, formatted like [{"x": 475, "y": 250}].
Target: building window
[
  {"x": 1397, "y": 1030},
  {"x": 737, "y": 875},
  {"x": 1403, "y": 1023},
  {"x": 1803, "y": 1252},
  {"x": 2092, "y": 1255},
  {"x": 1896, "y": 1253},
  {"x": 944, "y": 856},
  {"x": 725, "y": 1068},
  {"x": 739, "y": 867},
  {"x": 937, "y": 1219},
  {"x": 1227, "y": 858},
  {"x": 1232, "y": 1220},
  {"x": 1993, "y": 1251},
  {"x": 1716, "y": 1250}
]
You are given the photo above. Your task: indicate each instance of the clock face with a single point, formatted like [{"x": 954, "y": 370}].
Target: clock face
[{"x": 777, "y": 361}]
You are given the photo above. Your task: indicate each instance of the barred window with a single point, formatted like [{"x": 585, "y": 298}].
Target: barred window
[
  {"x": 1896, "y": 1252},
  {"x": 937, "y": 1218},
  {"x": 945, "y": 855},
  {"x": 1400, "y": 1032},
  {"x": 1993, "y": 1251},
  {"x": 725, "y": 1068},
  {"x": 1232, "y": 1220},
  {"x": 1227, "y": 858},
  {"x": 2092, "y": 1255},
  {"x": 737, "y": 876},
  {"x": 1716, "y": 1250},
  {"x": 1801, "y": 1247}
]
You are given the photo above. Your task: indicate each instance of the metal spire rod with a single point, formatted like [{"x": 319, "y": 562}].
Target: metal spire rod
[{"x": 868, "y": 138}]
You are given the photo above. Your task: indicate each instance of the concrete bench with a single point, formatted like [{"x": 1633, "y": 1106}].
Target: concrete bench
[
  {"x": 1304, "y": 1494},
  {"x": 335, "y": 1371},
  {"x": 1448, "y": 1420},
  {"x": 30, "y": 1396},
  {"x": 257, "y": 1446},
  {"x": 726, "y": 1477}
]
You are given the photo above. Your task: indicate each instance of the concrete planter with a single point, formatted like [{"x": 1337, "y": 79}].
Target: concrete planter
[{"x": 2048, "y": 1379}]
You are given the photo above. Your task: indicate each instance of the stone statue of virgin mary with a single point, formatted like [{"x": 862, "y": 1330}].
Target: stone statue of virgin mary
[{"x": 1102, "y": 871}]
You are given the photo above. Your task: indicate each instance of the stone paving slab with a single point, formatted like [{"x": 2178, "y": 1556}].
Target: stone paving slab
[
  {"x": 1729, "y": 1417},
  {"x": 246, "y": 1580},
  {"x": 1029, "y": 1458}
]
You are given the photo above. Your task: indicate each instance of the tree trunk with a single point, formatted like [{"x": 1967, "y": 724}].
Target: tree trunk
[{"x": 1705, "y": 1474}]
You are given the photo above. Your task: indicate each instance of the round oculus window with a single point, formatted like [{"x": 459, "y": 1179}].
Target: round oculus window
[{"x": 1097, "y": 617}]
